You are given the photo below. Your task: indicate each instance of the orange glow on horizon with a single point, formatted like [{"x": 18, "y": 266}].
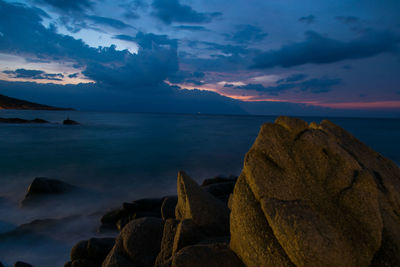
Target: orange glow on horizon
[{"x": 337, "y": 105}]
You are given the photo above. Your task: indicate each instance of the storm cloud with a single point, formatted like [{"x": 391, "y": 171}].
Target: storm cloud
[
  {"x": 319, "y": 49},
  {"x": 169, "y": 11}
]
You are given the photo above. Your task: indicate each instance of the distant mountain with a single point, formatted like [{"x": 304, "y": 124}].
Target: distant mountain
[{"x": 13, "y": 103}]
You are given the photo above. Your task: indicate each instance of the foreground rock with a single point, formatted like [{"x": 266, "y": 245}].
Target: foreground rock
[
  {"x": 210, "y": 255},
  {"x": 196, "y": 204},
  {"x": 91, "y": 252},
  {"x": 313, "y": 195},
  {"x": 42, "y": 187},
  {"x": 138, "y": 244},
  {"x": 22, "y": 121}
]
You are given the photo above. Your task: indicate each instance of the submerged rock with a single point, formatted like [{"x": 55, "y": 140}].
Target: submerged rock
[
  {"x": 41, "y": 187},
  {"x": 313, "y": 195}
]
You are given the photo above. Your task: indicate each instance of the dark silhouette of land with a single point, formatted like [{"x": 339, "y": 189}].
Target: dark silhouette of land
[{"x": 14, "y": 103}]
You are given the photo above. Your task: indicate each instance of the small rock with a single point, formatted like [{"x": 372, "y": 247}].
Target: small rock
[
  {"x": 168, "y": 207},
  {"x": 41, "y": 186},
  {"x": 70, "y": 122},
  {"x": 22, "y": 264}
]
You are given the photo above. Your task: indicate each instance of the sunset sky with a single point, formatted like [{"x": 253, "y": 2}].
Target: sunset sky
[{"x": 308, "y": 57}]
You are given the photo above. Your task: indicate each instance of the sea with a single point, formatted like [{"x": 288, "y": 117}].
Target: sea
[{"x": 120, "y": 157}]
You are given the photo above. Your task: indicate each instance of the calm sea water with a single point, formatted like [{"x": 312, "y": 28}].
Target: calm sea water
[{"x": 118, "y": 157}]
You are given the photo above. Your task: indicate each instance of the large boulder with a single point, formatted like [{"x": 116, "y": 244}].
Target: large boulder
[
  {"x": 196, "y": 204},
  {"x": 138, "y": 244},
  {"x": 210, "y": 255},
  {"x": 42, "y": 187},
  {"x": 313, "y": 195}
]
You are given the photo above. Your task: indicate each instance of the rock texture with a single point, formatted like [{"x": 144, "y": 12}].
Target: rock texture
[
  {"x": 92, "y": 251},
  {"x": 313, "y": 195},
  {"x": 210, "y": 255},
  {"x": 138, "y": 243},
  {"x": 196, "y": 204}
]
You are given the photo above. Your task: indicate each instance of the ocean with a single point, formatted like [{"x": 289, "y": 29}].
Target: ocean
[{"x": 117, "y": 157}]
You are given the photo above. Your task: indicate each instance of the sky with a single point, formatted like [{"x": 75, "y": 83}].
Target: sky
[{"x": 271, "y": 57}]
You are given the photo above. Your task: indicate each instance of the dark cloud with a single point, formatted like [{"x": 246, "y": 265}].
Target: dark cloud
[
  {"x": 68, "y": 5},
  {"x": 190, "y": 28},
  {"x": 169, "y": 11},
  {"x": 294, "y": 78},
  {"x": 229, "y": 85},
  {"x": 308, "y": 19},
  {"x": 246, "y": 34},
  {"x": 347, "y": 19},
  {"x": 105, "y": 65},
  {"x": 25, "y": 35},
  {"x": 318, "y": 49},
  {"x": 315, "y": 86},
  {"x": 109, "y": 22},
  {"x": 34, "y": 74},
  {"x": 147, "y": 40},
  {"x": 74, "y": 75},
  {"x": 145, "y": 70},
  {"x": 187, "y": 76}
]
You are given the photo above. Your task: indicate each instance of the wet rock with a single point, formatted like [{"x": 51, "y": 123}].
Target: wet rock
[
  {"x": 201, "y": 207},
  {"x": 168, "y": 207},
  {"x": 318, "y": 197},
  {"x": 213, "y": 255},
  {"x": 42, "y": 187}
]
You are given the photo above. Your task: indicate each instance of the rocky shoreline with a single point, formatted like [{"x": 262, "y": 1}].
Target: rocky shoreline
[{"x": 308, "y": 195}]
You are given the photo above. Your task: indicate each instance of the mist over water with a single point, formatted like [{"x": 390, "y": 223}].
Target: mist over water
[{"x": 117, "y": 157}]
